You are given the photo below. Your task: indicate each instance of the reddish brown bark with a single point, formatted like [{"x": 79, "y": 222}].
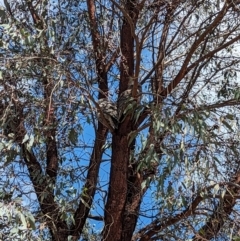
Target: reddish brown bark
[
  {"x": 127, "y": 44},
  {"x": 118, "y": 186},
  {"x": 133, "y": 201},
  {"x": 45, "y": 196},
  {"x": 117, "y": 189}
]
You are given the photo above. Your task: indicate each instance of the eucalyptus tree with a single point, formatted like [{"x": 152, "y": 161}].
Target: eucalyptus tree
[{"x": 123, "y": 115}]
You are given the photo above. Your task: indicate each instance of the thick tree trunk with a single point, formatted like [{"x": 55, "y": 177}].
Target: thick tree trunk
[
  {"x": 131, "y": 212},
  {"x": 122, "y": 190},
  {"x": 117, "y": 189}
]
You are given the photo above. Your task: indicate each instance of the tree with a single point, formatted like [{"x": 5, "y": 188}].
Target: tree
[
  {"x": 125, "y": 113},
  {"x": 15, "y": 220}
]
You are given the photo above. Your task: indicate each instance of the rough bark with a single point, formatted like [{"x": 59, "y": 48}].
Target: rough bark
[
  {"x": 133, "y": 201},
  {"x": 118, "y": 186},
  {"x": 117, "y": 189}
]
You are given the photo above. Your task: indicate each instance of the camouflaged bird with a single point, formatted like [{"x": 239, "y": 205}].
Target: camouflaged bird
[
  {"x": 107, "y": 114},
  {"x": 126, "y": 102}
]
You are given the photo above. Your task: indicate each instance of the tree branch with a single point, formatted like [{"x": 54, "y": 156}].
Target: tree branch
[
  {"x": 221, "y": 212},
  {"x": 44, "y": 194},
  {"x": 184, "y": 69},
  {"x": 152, "y": 229},
  {"x": 89, "y": 188}
]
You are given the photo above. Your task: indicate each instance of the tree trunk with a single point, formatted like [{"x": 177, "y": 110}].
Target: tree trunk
[{"x": 117, "y": 189}]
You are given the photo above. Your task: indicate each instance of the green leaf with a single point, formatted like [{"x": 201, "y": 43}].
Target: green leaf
[
  {"x": 184, "y": 202},
  {"x": 26, "y": 138},
  {"x": 14, "y": 230},
  {"x": 83, "y": 201},
  {"x": 131, "y": 137},
  {"x": 128, "y": 108},
  {"x": 223, "y": 193},
  {"x": 144, "y": 184},
  {"x": 31, "y": 141},
  {"x": 3, "y": 15},
  {"x": 64, "y": 216},
  {"x": 31, "y": 221},
  {"x": 227, "y": 125},
  {"x": 73, "y": 136},
  {"x": 216, "y": 188},
  {"x": 230, "y": 117},
  {"x": 23, "y": 220},
  {"x": 138, "y": 112}
]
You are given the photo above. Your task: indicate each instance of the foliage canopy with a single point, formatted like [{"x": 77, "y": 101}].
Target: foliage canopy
[{"x": 120, "y": 114}]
